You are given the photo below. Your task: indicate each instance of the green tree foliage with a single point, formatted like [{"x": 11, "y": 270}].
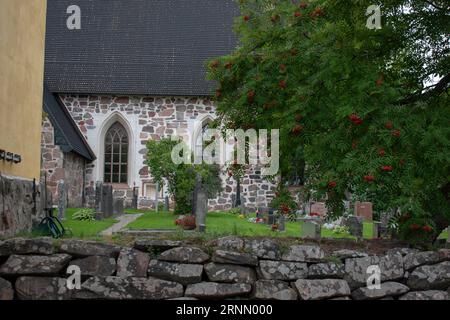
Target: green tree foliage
[
  {"x": 180, "y": 178},
  {"x": 357, "y": 104}
]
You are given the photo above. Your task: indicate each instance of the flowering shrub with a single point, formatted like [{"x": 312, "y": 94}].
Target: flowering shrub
[
  {"x": 415, "y": 228},
  {"x": 256, "y": 220},
  {"x": 340, "y": 229},
  {"x": 283, "y": 201},
  {"x": 186, "y": 222},
  {"x": 314, "y": 214}
]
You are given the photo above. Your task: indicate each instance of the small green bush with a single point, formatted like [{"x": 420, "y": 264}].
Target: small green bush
[
  {"x": 235, "y": 211},
  {"x": 84, "y": 215}
]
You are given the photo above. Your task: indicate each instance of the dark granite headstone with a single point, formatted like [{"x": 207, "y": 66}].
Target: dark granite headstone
[
  {"x": 134, "y": 201},
  {"x": 383, "y": 228},
  {"x": 270, "y": 217},
  {"x": 376, "y": 229},
  {"x": 282, "y": 222},
  {"x": 98, "y": 195},
  {"x": 355, "y": 226},
  {"x": 107, "y": 201},
  {"x": 166, "y": 204},
  {"x": 201, "y": 206}
]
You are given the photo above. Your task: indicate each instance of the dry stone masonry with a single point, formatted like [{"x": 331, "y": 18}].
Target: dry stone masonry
[{"x": 232, "y": 267}]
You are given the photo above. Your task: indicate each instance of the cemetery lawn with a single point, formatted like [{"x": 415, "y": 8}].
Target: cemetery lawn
[
  {"x": 224, "y": 223},
  {"x": 85, "y": 229}
]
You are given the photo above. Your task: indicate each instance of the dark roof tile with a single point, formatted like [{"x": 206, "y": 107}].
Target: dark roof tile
[{"x": 154, "y": 47}]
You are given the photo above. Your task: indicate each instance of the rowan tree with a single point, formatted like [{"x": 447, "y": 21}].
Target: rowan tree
[{"x": 367, "y": 109}]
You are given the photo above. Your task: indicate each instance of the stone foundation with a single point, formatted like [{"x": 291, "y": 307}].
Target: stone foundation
[{"x": 229, "y": 267}]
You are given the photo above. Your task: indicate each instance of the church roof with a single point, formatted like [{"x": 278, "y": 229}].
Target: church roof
[
  {"x": 149, "y": 47},
  {"x": 67, "y": 134}
]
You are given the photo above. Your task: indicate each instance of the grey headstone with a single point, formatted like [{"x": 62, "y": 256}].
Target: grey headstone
[
  {"x": 166, "y": 203},
  {"x": 355, "y": 226},
  {"x": 270, "y": 217},
  {"x": 107, "y": 201},
  {"x": 282, "y": 222},
  {"x": 311, "y": 229},
  {"x": 98, "y": 200},
  {"x": 376, "y": 229},
  {"x": 98, "y": 195},
  {"x": 134, "y": 202},
  {"x": 201, "y": 207},
  {"x": 118, "y": 206}
]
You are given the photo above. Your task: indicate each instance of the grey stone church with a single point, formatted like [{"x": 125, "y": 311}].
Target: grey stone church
[{"x": 134, "y": 71}]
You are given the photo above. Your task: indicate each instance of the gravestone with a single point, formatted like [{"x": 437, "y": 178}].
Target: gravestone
[
  {"x": 262, "y": 212},
  {"x": 282, "y": 223},
  {"x": 355, "y": 226},
  {"x": 166, "y": 204},
  {"x": 376, "y": 229},
  {"x": 118, "y": 206},
  {"x": 194, "y": 195},
  {"x": 271, "y": 216},
  {"x": 383, "y": 228},
  {"x": 62, "y": 200},
  {"x": 320, "y": 208},
  {"x": 134, "y": 201},
  {"x": 98, "y": 200},
  {"x": 107, "y": 201},
  {"x": 43, "y": 190},
  {"x": 364, "y": 210},
  {"x": 201, "y": 209},
  {"x": 311, "y": 228},
  {"x": 242, "y": 206}
]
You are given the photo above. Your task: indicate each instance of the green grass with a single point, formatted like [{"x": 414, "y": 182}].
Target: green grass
[
  {"x": 85, "y": 229},
  {"x": 222, "y": 223}
]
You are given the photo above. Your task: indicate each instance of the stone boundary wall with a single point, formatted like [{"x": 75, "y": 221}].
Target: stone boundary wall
[
  {"x": 228, "y": 267},
  {"x": 17, "y": 206}
]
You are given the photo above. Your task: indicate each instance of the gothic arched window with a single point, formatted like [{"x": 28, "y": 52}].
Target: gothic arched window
[{"x": 116, "y": 154}]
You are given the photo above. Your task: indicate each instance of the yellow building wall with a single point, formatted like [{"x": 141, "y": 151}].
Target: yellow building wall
[{"x": 22, "y": 41}]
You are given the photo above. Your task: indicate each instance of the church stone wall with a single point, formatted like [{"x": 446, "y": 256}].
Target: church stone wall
[
  {"x": 150, "y": 117},
  {"x": 59, "y": 165}
]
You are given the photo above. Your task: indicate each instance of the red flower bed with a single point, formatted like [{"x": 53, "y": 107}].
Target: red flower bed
[{"x": 186, "y": 222}]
